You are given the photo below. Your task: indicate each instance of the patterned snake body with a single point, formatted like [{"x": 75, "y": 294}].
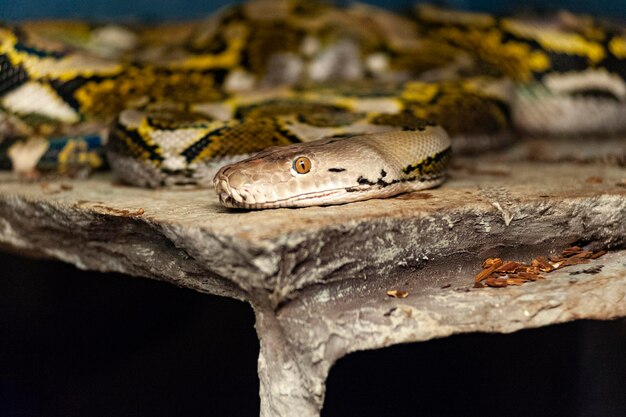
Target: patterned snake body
[{"x": 354, "y": 91}]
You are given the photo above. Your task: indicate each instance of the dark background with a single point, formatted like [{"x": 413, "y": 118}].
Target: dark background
[
  {"x": 181, "y": 9},
  {"x": 75, "y": 343}
]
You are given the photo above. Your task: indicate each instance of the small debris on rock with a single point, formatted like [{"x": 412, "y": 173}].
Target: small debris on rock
[
  {"x": 497, "y": 273},
  {"x": 583, "y": 254},
  {"x": 509, "y": 266},
  {"x": 489, "y": 262},
  {"x": 50, "y": 189},
  {"x": 443, "y": 287},
  {"x": 490, "y": 265},
  {"x": 596, "y": 255},
  {"x": 397, "y": 294},
  {"x": 390, "y": 311},
  {"x": 515, "y": 281},
  {"x": 574, "y": 260},
  {"x": 592, "y": 270},
  {"x": 529, "y": 276},
  {"x": 119, "y": 212},
  {"x": 542, "y": 264},
  {"x": 496, "y": 282},
  {"x": 571, "y": 251}
]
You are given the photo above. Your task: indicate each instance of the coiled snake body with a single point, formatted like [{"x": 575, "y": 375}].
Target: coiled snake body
[{"x": 366, "y": 103}]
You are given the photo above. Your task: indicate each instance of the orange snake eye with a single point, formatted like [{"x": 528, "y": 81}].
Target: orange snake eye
[{"x": 302, "y": 165}]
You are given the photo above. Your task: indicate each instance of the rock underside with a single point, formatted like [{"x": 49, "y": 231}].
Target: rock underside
[{"x": 318, "y": 277}]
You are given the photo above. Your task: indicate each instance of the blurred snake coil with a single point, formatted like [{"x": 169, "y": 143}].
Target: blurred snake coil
[{"x": 292, "y": 103}]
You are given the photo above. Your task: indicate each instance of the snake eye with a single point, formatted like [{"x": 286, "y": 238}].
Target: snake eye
[{"x": 302, "y": 165}]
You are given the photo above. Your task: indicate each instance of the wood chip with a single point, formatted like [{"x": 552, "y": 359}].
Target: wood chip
[
  {"x": 533, "y": 270},
  {"x": 489, "y": 262},
  {"x": 572, "y": 251},
  {"x": 542, "y": 264},
  {"x": 598, "y": 254},
  {"x": 496, "y": 282},
  {"x": 497, "y": 273},
  {"x": 584, "y": 254},
  {"x": 529, "y": 276},
  {"x": 573, "y": 261},
  {"x": 508, "y": 266},
  {"x": 557, "y": 265},
  {"x": 485, "y": 273},
  {"x": 397, "y": 294}
]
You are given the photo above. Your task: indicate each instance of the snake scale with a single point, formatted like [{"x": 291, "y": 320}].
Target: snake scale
[{"x": 290, "y": 103}]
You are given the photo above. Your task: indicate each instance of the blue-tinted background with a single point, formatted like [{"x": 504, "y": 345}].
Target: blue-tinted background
[{"x": 177, "y": 9}]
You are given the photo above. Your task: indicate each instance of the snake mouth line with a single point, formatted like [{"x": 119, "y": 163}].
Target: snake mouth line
[
  {"x": 233, "y": 198},
  {"x": 227, "y": 199}
]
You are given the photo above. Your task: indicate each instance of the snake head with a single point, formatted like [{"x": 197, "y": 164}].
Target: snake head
[
  {"x": 331, "y": 171},
  {"x": 290, "y": 176}
]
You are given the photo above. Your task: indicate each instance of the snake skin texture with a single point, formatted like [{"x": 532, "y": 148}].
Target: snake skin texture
[{"x": 355, "y": 91}]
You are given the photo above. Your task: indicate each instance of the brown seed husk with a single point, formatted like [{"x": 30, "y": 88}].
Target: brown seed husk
[
  {"x": 397, "y": 294},
  {"x": 498, "y": 273}
]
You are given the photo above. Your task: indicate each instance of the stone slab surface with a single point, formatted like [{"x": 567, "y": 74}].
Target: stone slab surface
[{"x": 317, "y": 277}]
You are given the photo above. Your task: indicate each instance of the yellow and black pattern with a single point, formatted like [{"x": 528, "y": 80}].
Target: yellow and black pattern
[
  {"x": 467, "y": 106},
  {"x": 432, "y": 167},
  {"x": 518, "y": 49},
  {"x": 252, "y": 128},
  {"x": 270, "y": 73}
]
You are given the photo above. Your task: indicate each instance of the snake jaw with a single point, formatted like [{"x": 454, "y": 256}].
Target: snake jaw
[{"x": 245, "y": 198}]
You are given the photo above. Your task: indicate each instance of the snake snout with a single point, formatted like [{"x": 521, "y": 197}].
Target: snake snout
[{"x": 233, "y": 187}]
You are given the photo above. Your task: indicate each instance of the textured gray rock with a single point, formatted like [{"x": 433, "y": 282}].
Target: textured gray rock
[{"x": 317, "y": 277}]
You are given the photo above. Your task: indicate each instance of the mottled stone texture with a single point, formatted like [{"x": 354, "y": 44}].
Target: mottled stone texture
[{"x": 317, "y": 277}]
